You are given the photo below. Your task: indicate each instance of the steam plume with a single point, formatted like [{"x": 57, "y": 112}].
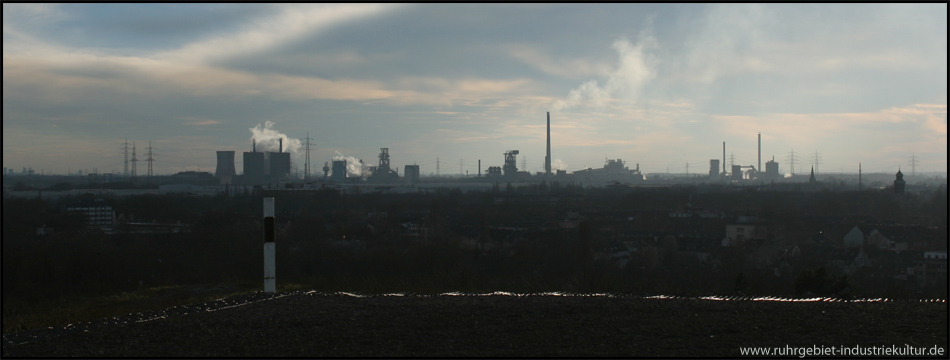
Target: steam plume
[
  {"x": 353, "y": 166},
  {"x": 634, "y": 69},
  {"x": 267, "y": 139}
]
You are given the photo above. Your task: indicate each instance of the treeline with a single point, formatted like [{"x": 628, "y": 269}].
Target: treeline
[{"x": 331, "y": 242}]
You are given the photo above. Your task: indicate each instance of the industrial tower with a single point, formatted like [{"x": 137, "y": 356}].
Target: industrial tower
[
  {"x": 511, "y": 163},
  {"x": 547, "y": 158}
]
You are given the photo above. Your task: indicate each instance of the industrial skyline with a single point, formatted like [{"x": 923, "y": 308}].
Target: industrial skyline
[{"x": 829, "y": 86}]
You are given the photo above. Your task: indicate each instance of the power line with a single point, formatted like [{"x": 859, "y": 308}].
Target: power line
[{"x": 817, "y": 160}]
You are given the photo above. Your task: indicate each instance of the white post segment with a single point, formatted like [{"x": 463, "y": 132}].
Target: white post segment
[{"x": 270, "y": 273}]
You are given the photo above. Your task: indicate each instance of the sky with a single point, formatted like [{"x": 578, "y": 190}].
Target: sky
[{"x": 446, "y": 85}]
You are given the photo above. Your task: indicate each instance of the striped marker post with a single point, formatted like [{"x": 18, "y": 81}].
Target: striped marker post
[{"x": 270, "y": 273}]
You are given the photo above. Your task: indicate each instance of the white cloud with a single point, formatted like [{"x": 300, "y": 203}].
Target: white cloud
[{"x": 294, "y": 21}]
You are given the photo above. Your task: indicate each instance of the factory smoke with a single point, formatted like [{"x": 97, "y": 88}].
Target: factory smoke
[
  {"x": 635, "y": 68},
  {"x": 267, "y": 139},
  {"x": 353, "y": 166},
  {"x": 558, "y": 164}
]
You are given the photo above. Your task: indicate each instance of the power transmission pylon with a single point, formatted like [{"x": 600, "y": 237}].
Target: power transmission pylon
[
  {"x": 134, "y": 160},
  {"x": 150, "y": 159},
  {"x": 306, "y": 167},
  {"x": 791, "y": 161},
  {"x": 817, "y": 160},
  {"x": 913, "y": 164},
  {"x": 125, "y": 148}
]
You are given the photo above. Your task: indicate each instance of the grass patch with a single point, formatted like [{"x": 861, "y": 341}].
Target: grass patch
[{"x": 20, "y": 316}]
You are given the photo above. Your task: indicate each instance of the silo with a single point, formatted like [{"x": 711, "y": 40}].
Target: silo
[
  {"x": 339, "y": 171},
  {"x": 737, "y": 172},
  {"x": 225, "y": 169}
]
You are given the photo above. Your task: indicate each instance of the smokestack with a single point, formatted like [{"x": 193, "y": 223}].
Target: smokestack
[
  {"x": 479, "y": 167},
  {"x": 760, "y": 153},
  {"x": 547, "y": 159},
  {"x": 281, "y": 145},
  {"x": 253, "y": 145},
  {"x": 723, "y": 157}
]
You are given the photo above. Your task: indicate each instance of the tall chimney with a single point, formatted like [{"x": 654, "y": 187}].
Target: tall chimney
[
  {"x": 723, "y": 157},
  {"x": 479, "y": 167},
  {"x": 547, "y": 159},
  {"x": 281, "y": 145},
  {"x": 253, "y": 145},
  {"x": 759, "y": 168}
]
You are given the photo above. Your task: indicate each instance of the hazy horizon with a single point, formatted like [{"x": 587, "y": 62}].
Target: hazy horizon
[{"x": 659, "y": 85}]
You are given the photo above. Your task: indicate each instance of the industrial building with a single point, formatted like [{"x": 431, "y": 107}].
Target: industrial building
[
  {"x": 511, "y": 168},
  {"x": 254, "y": 169},
  {"x": 96, "y": 213},
  {"x": 613, "y": 171},
  {"x": 412, "y": 174},
  {"x": 260, "y": 167},
  {"x": 339, "y": 171},
  {"x": 279, "y": 166},
  {"x": 771, "y": 169},
  {"x": 382, "y": 173}
]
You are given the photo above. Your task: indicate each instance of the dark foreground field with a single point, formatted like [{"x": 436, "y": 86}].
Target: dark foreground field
[{"x": 316, "y": 325}]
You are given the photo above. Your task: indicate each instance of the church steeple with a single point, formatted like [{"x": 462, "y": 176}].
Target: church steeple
[
  {"x": 811, "y": 179},
  {"x": 899, "y": 182}
]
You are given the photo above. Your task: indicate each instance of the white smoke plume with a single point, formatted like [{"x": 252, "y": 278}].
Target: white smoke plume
[
  {"x": 635, "y": 68},
  {"x": 353, "y": 166},
  {"x": 558, "y": 164},
  {"x": 267, "y": 139}
]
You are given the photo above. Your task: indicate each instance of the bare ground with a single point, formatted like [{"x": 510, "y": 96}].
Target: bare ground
[{"x": 322, "y": 325}]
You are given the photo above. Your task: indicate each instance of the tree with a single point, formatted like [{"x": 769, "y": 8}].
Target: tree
[
  {"x": 741, "y": 284},
  {"x": 819, "y": 282}
]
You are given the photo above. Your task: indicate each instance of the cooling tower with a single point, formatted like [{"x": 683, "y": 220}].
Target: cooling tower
[{"x": 225, "y": 169}]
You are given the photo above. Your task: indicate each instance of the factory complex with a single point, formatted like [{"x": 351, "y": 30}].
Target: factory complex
[{"x": 273, "y": 169}]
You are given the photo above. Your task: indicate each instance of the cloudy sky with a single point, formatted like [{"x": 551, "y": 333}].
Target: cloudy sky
[{"x": 661, "y": 86}]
